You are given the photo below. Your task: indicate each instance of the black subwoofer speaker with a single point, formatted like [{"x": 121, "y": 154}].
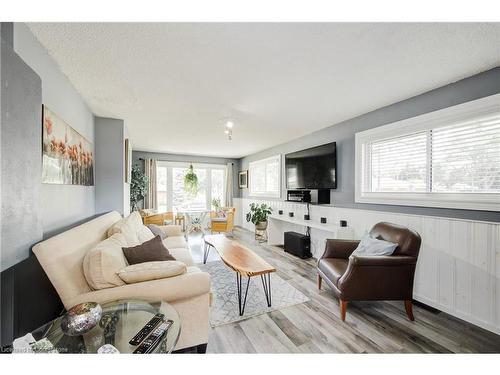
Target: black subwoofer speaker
[{"x": 298, "y": 244}]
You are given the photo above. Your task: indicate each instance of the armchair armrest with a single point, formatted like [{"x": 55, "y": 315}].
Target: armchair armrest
[
  {"x": 386, "y": 260},
  {"x": 172, "y": 230},
  {"x": 378, "y": 277},
  {"x": 336, "y": 248}
]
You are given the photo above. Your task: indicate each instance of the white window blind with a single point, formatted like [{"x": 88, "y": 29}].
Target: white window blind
[
  {"x": 466, "y": 158},
  {"x": 265, "y": 177},
  {"x": 449, "y": 158},
  {"x": 399, "y": 164}
]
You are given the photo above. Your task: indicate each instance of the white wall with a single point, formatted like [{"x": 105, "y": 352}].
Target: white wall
[
  {"x": 458, "y": 270},
  {"x": 62, "y": 205}
]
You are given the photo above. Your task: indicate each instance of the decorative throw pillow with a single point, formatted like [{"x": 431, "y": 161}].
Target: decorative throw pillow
[
  {"x": 103, "y": 261},
  {"x": 369, "y": 246},
  {"x": 151, "y": 271},
  {"x": 157, "y": 231},
  {"x": 149, "y": 251}
]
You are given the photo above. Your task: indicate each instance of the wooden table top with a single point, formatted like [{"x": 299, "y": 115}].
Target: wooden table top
[{"x": 239, "y": 258}]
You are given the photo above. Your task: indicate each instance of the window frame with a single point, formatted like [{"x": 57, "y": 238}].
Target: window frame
[
  {"x": 169, "y": 165},
  {"x": 265, "y": 194},
  {"x": 447, "y": 116}
]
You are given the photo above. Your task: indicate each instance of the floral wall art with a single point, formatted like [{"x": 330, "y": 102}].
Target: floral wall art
[{"x": 67, "y": 156}]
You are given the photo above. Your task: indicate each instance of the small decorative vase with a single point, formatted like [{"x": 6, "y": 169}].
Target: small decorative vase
[
  {"x": 261, "y": 226},
  {"x": 81, "y": 318}
]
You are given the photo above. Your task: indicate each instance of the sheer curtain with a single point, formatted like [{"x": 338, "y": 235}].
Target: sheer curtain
[
  {"x": 150, "y": 200},
  {"x": 229, "y": 185}
]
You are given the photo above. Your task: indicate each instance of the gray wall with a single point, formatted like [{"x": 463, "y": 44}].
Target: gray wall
[
  {"x": 21, "y": 101},
  {"x": 137, "y": 155},
  {"x": 111, "y": 190},
  {"x": 62, "y": 205},
  {"x": 475, "y": 87}
]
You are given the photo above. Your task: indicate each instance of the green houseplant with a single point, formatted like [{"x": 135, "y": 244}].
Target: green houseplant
[
  {"x": 258, "y": 215},
  {"x": 138, "y": 187},
  {"x": 191, "y": 182}
]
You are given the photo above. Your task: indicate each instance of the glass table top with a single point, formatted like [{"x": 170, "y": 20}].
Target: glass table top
[{"x": 120, "y": 321}]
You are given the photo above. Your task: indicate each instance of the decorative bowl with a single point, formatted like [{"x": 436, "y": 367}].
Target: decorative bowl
[{"x": 81, "y": 318}]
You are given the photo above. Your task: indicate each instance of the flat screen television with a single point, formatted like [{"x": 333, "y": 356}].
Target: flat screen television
[{"x": 314, "y": 168}]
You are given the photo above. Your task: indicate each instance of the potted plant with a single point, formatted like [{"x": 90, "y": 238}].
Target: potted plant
[
  {"x": 258, "y": 215},
  {"x": 138, "y": 187},
  {"x": 217, "y": 207},
  {"x": 191, "y": 182}
]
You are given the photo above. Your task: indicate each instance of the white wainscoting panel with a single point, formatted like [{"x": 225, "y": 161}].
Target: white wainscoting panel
[{"x": 458, "y": 269}]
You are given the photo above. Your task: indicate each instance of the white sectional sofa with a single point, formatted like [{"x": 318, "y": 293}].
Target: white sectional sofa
[{"x": 62, "y": 258}]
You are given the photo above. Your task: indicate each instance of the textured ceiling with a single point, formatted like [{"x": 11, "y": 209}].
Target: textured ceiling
[{"x": 174, "y": 83}]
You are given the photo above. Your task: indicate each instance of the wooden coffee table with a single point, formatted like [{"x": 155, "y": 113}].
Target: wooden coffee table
[{"x": 244, "y": 262}]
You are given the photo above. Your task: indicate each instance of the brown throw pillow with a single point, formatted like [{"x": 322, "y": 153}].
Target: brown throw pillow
[
  {"x": 157, "y": 231},
  {"x": 149, "y": 251}
]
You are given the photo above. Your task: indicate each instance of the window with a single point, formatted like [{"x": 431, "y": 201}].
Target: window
[
  {"x": 170, "y": 186},
  {"x": 182, "y": 201},
  {"x": 448, "y": 158},
  {"x": 161, "y": 188},
  {"x": 265, "y": 177}
]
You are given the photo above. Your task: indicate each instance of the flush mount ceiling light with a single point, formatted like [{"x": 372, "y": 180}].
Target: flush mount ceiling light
[{"x": 229, "y": 129}]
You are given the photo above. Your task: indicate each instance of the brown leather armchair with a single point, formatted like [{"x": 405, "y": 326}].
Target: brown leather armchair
[{"x": 364, "y": 278}]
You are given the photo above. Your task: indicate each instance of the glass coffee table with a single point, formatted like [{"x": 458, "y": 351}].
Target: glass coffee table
[{"x": 120, "y": 321}]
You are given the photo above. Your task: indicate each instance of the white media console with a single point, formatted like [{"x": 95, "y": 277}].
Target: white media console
[{"x": 279, "y": 224}]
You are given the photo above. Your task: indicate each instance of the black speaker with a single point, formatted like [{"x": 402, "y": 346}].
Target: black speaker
[{"x": 298, "y": 244}]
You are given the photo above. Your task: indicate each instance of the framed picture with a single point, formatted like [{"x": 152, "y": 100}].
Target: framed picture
[
  {"x": 128, "y": 161},
  {"x": 243, "y": 179},
  {"x": 67, "y": 157}
]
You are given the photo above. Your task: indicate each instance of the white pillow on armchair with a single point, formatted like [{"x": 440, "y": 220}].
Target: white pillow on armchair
[{"x": 369, "y": 246}]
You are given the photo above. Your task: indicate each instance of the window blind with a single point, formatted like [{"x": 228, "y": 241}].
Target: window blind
[
  {"x": 466, "y": 157},
  {"x": 458, "y": 158}
]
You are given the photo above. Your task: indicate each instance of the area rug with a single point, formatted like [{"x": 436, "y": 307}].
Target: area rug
[{"x": 224, "y": 308}]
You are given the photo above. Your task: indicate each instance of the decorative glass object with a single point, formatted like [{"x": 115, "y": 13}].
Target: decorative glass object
[{"x": 81, "y": 318}]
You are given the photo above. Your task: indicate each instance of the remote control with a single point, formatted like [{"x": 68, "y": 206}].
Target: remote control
[
  {"x": 147, "y": 329},
  {"x": 148, "y": 345}
]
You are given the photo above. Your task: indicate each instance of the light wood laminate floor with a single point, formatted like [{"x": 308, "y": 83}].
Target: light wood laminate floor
[{"x": 315, "y": 326}]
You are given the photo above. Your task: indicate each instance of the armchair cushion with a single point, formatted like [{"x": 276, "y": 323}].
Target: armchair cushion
[
  {"x": 333, "y": 268},
  {"x": 387, "y": 260},
  {"x": 374, "y": 247}
]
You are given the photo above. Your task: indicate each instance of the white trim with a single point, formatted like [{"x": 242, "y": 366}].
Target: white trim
[
  {"x": 266, "y": 194},
  {"x": 459, "y": 113}
]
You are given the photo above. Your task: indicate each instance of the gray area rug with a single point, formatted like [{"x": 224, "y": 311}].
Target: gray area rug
[{"x": 224, "y": 308}]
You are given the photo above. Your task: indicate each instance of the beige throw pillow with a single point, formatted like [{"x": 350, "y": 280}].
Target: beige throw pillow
[
  {"x": 101, "y": 264},
  {"x": 151, "y": 271}
]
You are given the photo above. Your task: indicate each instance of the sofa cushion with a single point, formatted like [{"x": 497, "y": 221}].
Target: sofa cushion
[
  {"x": 157, "y": 231},
  {"x": 333, "y": 268},
  {"x": 149, "y": 251},
  {"x": 101, "y": 263},
  {"x": 151, "y": 271},
  {"x": 144, "y": 234},
  {"x": 182, "y": 254},
  {"x": 127, "y": 230},
  {"x": 133, "y": 229},
  {"x": 173, "y": 242}
]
